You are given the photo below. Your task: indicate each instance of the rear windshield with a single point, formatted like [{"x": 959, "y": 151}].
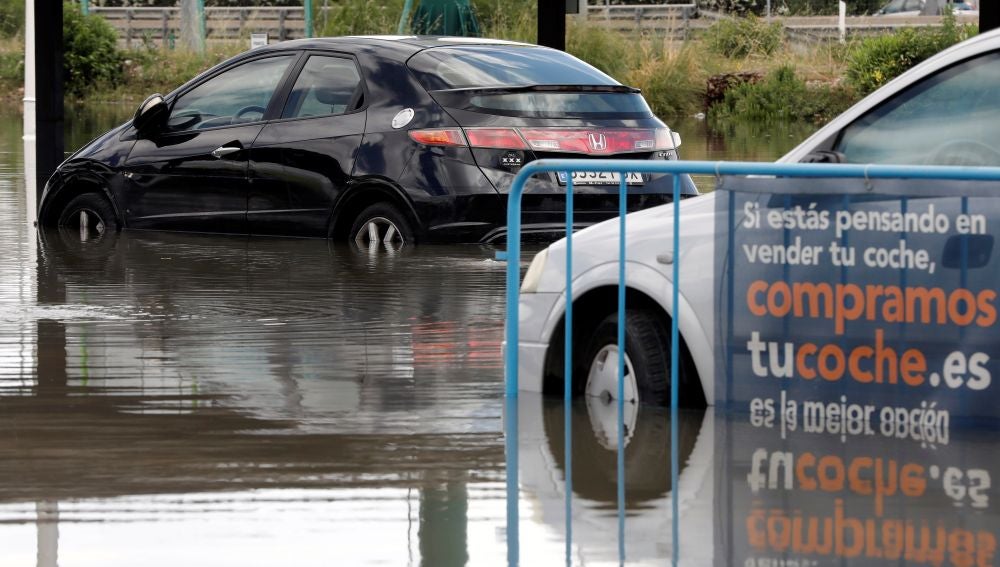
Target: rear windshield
[
  {"x": 488, "y": 67},
  {"x": 491, "y": 66},
  {"x": 552, "y": 104}
]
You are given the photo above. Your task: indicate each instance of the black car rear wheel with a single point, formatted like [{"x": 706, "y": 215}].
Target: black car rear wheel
[
  {"x": 381, "y": 225},
  {"x": 91, "y": 214}
]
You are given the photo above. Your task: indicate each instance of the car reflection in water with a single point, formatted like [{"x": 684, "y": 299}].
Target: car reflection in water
[
  {"x": 290, "y": 325},
  {"x": 195, "y": 398},
  {"x": 761, "y": 490},
  {"x": 271, "y": 382}
]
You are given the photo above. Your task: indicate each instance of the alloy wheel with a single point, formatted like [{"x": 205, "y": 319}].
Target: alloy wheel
[{"x": 379, "y": 231}]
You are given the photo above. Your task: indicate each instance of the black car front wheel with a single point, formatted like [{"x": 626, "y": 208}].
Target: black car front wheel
[
  {"x": 381, "y": 225},
  {"x": 91, "y": 214}
]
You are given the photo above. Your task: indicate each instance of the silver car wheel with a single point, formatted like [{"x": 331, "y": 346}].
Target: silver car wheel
[
  {"x": 601, "y": 395},
  {"x": 90, "y": 224},
  {"x": 379, "y": 231}
]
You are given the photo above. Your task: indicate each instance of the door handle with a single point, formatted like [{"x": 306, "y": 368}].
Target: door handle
[{"x": 224, "y": 151}]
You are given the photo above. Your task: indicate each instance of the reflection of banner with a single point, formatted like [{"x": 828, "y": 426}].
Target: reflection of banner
[
  {"x": 858, "y": 311},
  {"x": 808, "y": 500}
]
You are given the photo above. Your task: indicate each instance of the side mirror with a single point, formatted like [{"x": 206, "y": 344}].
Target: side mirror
[
  {"x": 823, "y": 156},
  {"x": 151, "y": 112}
]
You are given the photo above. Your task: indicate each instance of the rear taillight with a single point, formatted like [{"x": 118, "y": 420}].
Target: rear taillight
[
  {"x": 439, "y": 137},
  {"x": 570, "y": 140},
  {"x": 598, "y": 141},
  {"x": 496, "y": 138}
]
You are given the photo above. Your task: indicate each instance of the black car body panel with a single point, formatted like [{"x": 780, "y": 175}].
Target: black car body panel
[{"x": 279, "y": 166}]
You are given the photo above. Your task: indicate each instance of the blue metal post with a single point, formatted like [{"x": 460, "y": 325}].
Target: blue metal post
[
  {"x": 513, "y": 488},
  {"x": 308, "y": 9},
  {"x": 622, "y": 209},
  {"x": 404, "y": 17},
  {"x": 568, "y": 370},
  {"x": 201, "y": 23},
  {"x": 674, "y": 371},
  {"x": 84, "y": 7}
]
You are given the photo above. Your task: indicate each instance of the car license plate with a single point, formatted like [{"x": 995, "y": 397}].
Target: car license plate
[{"x": 600, "y": 178}]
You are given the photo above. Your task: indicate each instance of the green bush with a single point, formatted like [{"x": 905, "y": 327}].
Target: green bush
[
  {"x": 360, "y": 17},
  {"x": 91, "y": 55},
  {"x": 743, "y": 37},
  {"x": 605, "y": 49},
  {"x": 877, "y": 60},
  {"x": 673, "y": 84},
  {"x": 782, "y": 96},
  {"x": 514, "y": 20},
  {"x": 11, "y": 70},
  {"x": 11, "y": 17}
]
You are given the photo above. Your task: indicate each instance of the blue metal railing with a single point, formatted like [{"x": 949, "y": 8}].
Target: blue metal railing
[{"x": 622, "y": 168}]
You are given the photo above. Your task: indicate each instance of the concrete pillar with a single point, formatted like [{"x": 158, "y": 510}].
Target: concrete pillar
[
  {"x": 30, "y": 169},
  {"x": 989, "y": 15},
  {"x": 552, "y": 24},
  {"x": 43, "y": 88},
  {"x": 444, "y": 521},
  {"x": 47, "y": 524}
]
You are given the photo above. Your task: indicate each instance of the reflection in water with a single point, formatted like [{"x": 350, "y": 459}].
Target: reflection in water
[
  {"x": 174, "y": 399},
  {"x": 324, "y": 384}
]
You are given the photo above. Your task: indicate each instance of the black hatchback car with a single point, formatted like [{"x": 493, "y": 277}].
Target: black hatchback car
[{"x": 376, "y": 140}]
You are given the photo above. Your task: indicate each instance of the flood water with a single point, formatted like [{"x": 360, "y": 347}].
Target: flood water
[{"x": 171, "y": 399}]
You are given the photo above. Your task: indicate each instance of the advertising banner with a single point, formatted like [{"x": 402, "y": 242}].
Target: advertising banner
[
  {"x": 858, "y": 308},
  {"x": 799, "y": 499}
]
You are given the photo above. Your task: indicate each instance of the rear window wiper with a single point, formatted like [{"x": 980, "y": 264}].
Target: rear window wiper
[{"x": 541, "y": 89}]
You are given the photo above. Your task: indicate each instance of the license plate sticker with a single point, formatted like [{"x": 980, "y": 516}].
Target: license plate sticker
[{"x": 600, "y": 178}]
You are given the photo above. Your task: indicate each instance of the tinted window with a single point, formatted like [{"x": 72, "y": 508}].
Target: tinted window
[
  {"x": 236, "y": 96},
  {"x": 326, "y": 85},
  {"x": 554, "y": 104},
  {"x": 946, "y": 119},
  {"x": 462, "y": 67}
]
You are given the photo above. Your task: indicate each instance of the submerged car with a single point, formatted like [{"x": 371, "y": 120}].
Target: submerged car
[
  {"x": 942, "y": 112},
  {"x": 376, "y": 140}
]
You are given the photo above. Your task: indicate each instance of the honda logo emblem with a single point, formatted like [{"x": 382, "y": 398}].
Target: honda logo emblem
[{"x": 598, "y": 142}]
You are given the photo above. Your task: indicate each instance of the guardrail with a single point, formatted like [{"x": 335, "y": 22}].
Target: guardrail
[
  {"x": 622, "y": 167},
  {"x": 162, "y": 25},
  {"x": 642, "y": 12},
  {"x": 221, "y": 23}
]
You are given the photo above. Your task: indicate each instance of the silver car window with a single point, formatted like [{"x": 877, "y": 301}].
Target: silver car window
[{"x": 946, "y": 119}]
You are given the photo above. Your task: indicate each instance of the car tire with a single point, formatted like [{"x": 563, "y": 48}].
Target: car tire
[
  {"x": 96, "y": 209},
  {"x": 647, "y": 452},
  {"x": 647, "y": 359},
  {"x": 380, "y": 225}
]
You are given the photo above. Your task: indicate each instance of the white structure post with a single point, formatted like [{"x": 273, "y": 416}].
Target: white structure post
[
  {"x": 843, "y": 22},
  {"x": 30, "y": 158}
]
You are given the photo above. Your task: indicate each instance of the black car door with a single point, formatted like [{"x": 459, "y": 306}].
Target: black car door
[
  {"x": 191, "y": 174},
  {"x": 302, "y": 161}
]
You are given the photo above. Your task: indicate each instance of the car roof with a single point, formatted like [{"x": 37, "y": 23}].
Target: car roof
[{"x": 403, "y": 45}]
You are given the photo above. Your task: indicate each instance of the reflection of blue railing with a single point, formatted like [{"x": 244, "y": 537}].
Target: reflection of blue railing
[{"x": 622, "y": 167}]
